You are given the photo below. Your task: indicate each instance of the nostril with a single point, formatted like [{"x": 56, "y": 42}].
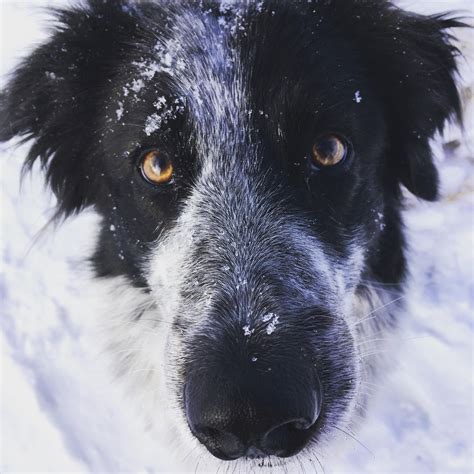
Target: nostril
[
  {"x": 221, "y": 444},
  {"x": 289, "y": 438}
]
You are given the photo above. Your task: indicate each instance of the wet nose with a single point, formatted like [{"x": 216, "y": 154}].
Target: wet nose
[{"x": 256, "y": 417}]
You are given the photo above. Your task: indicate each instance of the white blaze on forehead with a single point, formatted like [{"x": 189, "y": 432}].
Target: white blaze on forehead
[{"x": 208, "y": 76}]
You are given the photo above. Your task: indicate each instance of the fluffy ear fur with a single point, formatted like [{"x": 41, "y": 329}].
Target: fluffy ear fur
[
  {"x": 55, "y": 93},
  {"x": 412, "y": 61}
]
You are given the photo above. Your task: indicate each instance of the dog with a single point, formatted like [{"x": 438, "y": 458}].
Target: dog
[{"x": 248, "y": 161}]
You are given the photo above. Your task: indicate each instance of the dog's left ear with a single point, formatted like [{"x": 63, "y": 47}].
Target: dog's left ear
[{"x": 412, "y": 60}]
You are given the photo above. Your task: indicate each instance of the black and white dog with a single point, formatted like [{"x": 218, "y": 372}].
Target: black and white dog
[{"x": 247, "y": 160}]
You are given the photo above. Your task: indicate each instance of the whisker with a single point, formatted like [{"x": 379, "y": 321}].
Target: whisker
[
  {"x": 374, "y": 283},
  {"x": 372, "y": 353},
  {"x": 303, "y": 470},
  {"x": 190, "y": 453},
  {"x": 374, "y": 385},
  {"x": 313, "y": 465},
  {"x": 354, "y": 438},
  {"x": 366, "y": 317},
  {"x": 320, "y": 463},
  {"x": 375, "y": 339},
  {"x": 137, "y": 322},
  {"x": 197, "y": 464}
]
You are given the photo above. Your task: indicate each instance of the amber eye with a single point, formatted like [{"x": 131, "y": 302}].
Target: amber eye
[
  {"x": 328, "y": 150},
  {"x": 156, "y": 167}
]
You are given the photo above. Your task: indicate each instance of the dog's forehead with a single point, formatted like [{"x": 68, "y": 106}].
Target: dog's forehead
[{"x": 225, "y": 73}]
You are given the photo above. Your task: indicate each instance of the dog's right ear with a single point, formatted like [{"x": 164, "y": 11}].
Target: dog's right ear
[
  {"x": 54, "y": 95},
  {"x": 411, "y": 60}
]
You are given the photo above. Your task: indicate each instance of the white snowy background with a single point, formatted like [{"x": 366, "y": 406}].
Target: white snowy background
[{"x": 61, "y": 412}]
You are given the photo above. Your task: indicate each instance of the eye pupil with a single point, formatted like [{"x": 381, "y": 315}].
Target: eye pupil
[
  {"x": 159, "y": 163},
  {"x": 326, "y": 148}
]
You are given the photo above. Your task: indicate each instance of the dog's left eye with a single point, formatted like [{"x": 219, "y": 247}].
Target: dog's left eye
[
  {"x": 156, "y": 167},
  {"x": 328, "y": 150}
]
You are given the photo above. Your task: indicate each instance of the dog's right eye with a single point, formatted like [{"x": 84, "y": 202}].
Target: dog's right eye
[
  {"x": 156, "y": 167},
  {"x": 328, "y": 150}
]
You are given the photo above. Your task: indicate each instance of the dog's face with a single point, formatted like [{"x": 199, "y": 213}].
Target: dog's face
[{"x": 247, "y": 163}]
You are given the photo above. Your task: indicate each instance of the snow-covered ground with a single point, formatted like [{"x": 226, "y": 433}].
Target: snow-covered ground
[{"x": 60, "y": 412}]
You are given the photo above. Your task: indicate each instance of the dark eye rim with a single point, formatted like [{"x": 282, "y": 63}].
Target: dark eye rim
[
  {"x": 345, "y": 161},
  {"x": 141, "y": 157}
]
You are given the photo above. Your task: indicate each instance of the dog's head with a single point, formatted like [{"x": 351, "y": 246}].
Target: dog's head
[{"x": 247, "y": 161}]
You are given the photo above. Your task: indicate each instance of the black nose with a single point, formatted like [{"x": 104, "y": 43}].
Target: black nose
[{"x": 254, "y": 415}]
